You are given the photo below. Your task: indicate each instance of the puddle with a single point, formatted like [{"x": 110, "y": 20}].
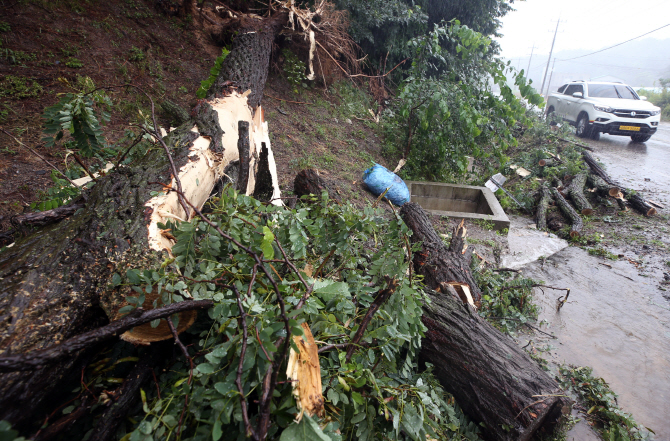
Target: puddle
[
  {"x": 527, "y": 244},
  {"x": 616, "y": 322}
]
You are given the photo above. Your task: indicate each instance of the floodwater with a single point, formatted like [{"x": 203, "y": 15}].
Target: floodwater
[{"x": 615, "y": 321}]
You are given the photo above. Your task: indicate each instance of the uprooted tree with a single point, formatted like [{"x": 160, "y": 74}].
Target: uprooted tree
[{"x": 138, "y": 251}]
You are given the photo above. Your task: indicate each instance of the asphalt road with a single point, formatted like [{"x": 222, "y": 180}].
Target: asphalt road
[{"x": 641, "y": 166}]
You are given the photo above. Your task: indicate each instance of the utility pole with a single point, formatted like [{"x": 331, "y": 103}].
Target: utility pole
[
  {"x": 550, "y": 76},
  {"x": 531, "y": 57},
  {"x": 550, "y": 54}
]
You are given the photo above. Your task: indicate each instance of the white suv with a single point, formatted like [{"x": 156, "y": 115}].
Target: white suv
[{"x": 595, "y": 108}]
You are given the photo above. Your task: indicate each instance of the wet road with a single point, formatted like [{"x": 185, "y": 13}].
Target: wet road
[
  {"x": 631, "y": 162},
  {"x": 616, "y": 320}
]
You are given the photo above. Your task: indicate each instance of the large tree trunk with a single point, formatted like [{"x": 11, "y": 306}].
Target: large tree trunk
[
  {"x": 55, "y": 283},
  {"x": 492, "y": 379}
]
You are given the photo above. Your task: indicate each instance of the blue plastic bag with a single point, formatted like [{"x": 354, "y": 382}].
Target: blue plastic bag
[{"x": 378, "y": 179}]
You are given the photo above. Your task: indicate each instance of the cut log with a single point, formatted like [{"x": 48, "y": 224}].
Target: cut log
[
  {"x": 576, "y": 192},
  {"x": 569, "y": 212},
  {"x": 438, "y": 264},
  {"x": 56, "y": 283},
  {"x": 493, "y": 380},
  {"x": 545, "y": 200},
  {"x": 602, "y": 188},
  {"x": 634, "y": 199},
  {"x": 548, "y": 162}
]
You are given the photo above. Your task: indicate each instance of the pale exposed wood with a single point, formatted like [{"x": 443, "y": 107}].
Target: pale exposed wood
[{"x": 304, "y": 370}]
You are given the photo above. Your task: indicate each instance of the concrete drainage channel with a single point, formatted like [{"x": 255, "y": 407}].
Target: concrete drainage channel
[{"x": 459, "y": 201}]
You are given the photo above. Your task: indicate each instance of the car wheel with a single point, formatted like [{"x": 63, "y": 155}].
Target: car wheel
[
  {"x": 551, "y": 118},
  {"x": 640, "y": 138},
  {"x": 595, "y": 135},
  {"x": 583, "y": 126}
]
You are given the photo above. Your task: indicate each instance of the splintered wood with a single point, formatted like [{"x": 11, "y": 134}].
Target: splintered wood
[{"x": 304, "y": 372}]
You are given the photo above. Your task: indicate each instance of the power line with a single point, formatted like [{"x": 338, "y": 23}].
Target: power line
[{"x": 601, "y": 50}]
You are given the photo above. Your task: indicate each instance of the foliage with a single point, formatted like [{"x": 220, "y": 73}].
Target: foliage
[
  {"x": 294, "y": 69},
  {"x": 9, "y": 434},
  {"x": 136, "y": 54},
  {"x": 447, "y": 107},
  {"x": 375, "y": 395},
  {"x": 601, "y": 252},
  {"x": 213, "y": 74},
  {"x": 613, "y": 423},
  {"x": 660, "y": 99},
  {"x": 79, "y": 114},
  {"x": 74, "y": 63},
  {"x": 383, "y": 27},
  {"x": 506, "y": 302},
  {"x": 15, "y": 87},
  {"x": 17, "y": 57},
  {"x": 5, "y": 27},
  {"x": 60, "y": 194}
]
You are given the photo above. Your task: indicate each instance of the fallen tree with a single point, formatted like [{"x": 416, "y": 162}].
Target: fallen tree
[
  {"x": 493, "y": 380},
  {"x": 57, "y": 282}
]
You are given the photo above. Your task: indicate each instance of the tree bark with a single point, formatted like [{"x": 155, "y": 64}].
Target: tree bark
[
  {"x": 56, "y": 282},
  {"x": 576, "y": 192},
  {"x": 569, "y": 212},
  {"x": 545, "y": 200},
  {"x": 440, "y": 266},
  {"x": 493, "y": 380}
]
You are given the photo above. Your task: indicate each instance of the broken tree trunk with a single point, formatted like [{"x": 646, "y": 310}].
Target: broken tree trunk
[
  {"x": 309, "y": 181},
  {"x": 440, "y": 266},
  {"x": 576, "y": 192},
  {"x": 569, "y": 212},
  {"x": 493, "y": 380},
  {"x": 635, "y": 200},
  {"x": 545, "y": 200},
  {"x": 56, "y": 283}
]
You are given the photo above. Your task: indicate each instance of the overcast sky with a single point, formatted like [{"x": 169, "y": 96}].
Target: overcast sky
[{"x": 585, "y": 24}]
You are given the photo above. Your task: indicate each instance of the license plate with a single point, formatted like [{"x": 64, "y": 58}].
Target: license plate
[{"x": 631, "y": 128}]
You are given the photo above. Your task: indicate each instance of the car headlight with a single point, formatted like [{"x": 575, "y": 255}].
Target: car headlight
[
  {"x": 654, "y": 112},
  {"x": 603, "y": 109}
]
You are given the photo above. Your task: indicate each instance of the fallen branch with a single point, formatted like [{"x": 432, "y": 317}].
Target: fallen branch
[
  {"x": 381, "y": 297},
  {"x": 46, "y": 217},
  {"x": 34, "y": 359},
  {"x": 545, "y": 200},
  {"x": 570, "y": 212},
  {"x": 576, "y": 192}
]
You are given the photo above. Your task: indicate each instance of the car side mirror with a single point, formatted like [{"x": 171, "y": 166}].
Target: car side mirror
[
  {"x": 643, "y": 98},
  {"x": 578, "y": 95}
]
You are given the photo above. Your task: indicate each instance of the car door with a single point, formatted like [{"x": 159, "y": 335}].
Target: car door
[{"x": 570, "y": 105}]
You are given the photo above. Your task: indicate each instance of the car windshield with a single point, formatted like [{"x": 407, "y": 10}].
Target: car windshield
[{"x": 611, "y": 91}]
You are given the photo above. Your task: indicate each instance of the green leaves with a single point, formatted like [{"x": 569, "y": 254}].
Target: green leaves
[
  {"x": 213, "y": 74},
  {"x": 266, "y": 244},
  {"x": 306, "y": 430},
  {"x": 79, "y": 114}
]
